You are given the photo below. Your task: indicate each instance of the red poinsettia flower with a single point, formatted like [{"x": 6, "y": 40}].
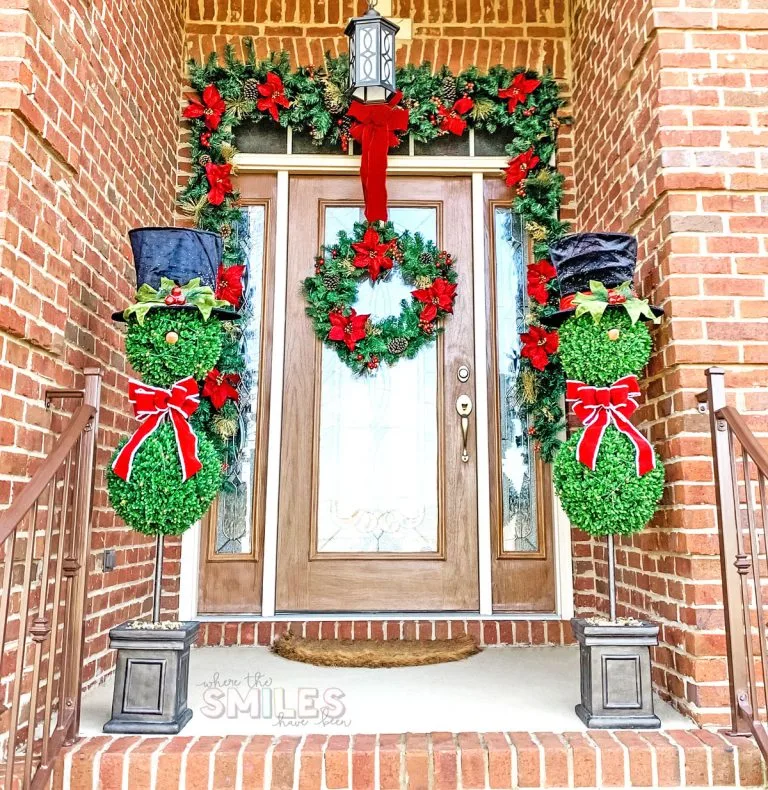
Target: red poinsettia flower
[
  {"x": 347, "y": 329},
  {"x": 273, "y": 95},
  {"x": 229, "y": 283},
  {"x": 219, "y": 181},
  {"x": 439, "y": 295},
  {"x": 371, "y": 254},
  {"x": 451, "y": 120},
  {"x": 520, "y": 166},
  {"x": 539, "y": 274},
  {"x": 211, "y": 107},
  {"x": 519, "y": 90},
  {"x": 538, "y": 345},
  {"x": 220, "y": 387}
]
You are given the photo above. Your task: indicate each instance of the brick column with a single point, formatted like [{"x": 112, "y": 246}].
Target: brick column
[{"x": 670, "y": 115}]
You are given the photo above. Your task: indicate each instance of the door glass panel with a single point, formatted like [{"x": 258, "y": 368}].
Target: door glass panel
[
  {"x": 378, "y": 455},
  {"x": 234, "y": 512},
  {"x": 518, "y": 479}
]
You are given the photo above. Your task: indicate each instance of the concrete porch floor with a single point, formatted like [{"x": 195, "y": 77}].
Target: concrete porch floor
[{"x": 501, "y": 689}]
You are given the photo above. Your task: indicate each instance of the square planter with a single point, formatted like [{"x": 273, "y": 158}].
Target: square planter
[
  {"x": 616, "y": 688},
  {"x": 151, "y": 678}
]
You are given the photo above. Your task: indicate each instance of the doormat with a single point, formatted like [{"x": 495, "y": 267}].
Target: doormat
[{"x": 374, "y": 653}]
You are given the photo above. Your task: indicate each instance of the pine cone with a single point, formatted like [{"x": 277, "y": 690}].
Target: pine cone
[
  {"x": 397, "y": 345},
  {"x": 333, "y": 98},
  {"x": 204, "y": 160},
  {"x": 251, "y": 90},
  {"x": 225, "y": 230},
  {"x": 448, "y": 90},
  {"x": 331, "y": 281},
  {"x": 425, "y": 258}
]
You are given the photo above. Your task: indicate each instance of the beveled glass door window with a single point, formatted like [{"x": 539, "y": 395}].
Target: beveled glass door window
[
  {"x": 519, "y": 528},
  {"x": 388, "y": 419},
  {"x": 377, "y": 510},
  {"x": 234, "y": 533}
]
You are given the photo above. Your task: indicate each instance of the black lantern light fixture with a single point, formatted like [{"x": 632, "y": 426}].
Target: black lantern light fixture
[{"x": 371, "y": 56}]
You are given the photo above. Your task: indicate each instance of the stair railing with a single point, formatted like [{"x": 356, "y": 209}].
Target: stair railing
[
  {"x": 741, "y": 470},
  {"x": 44, "y": 548}
]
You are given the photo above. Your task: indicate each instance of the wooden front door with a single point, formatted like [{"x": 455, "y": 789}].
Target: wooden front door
[{"x": 377, "y": 510}]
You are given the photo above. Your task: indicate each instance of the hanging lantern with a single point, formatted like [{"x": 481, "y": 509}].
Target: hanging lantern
[{"x": 371, "y": 56}]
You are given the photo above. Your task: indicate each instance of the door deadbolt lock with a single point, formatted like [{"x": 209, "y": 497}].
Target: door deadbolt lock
[{"x": 462, "y": 374}]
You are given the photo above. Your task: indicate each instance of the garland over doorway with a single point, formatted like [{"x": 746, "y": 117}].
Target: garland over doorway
[{"x": 312, "y": 101}]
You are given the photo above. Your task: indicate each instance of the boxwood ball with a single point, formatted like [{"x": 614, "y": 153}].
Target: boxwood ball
[
  {"x": 173, "y": 344},
  {"x": 156, "y": 500},
  {"x": 601, "y": 353},
  {"x": 612, "y": 499}
]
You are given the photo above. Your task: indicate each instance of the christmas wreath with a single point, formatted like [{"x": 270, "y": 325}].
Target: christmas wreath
[
  {"x": 374, "y": 252},
  {"x": 312, "y": 101}
]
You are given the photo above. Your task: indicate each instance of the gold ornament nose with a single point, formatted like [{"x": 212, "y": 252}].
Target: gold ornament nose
[
  {"x": 172, "y": 338},
  {"x": 613, "y": 334}
]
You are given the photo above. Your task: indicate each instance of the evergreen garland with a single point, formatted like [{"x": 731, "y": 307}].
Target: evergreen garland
[{"x": 313, "y": 101}]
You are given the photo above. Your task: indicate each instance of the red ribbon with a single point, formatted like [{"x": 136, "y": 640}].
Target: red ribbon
[
  {"x": 375, "y": 131},
  {"x": 597, "y": 408},
  {"x": 151, "y": 405}
]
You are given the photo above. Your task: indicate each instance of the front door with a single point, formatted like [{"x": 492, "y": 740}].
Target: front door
[{"x": 377, "y": 509}]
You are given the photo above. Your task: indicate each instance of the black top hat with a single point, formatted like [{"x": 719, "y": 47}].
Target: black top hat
[
  {"x": 609, "y": 258},
  {"x": 180, "y": 254}
]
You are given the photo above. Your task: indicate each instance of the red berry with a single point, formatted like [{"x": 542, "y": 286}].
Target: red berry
[
  {"x": 180, "y": 300},
  {"x": 176, "y": 291},
  {"x": 170, "y": 300}
]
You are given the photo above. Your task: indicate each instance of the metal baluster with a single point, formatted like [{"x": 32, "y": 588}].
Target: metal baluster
[
  {"x": 21, "y": 644},
  {"x": 755, "y": 552},
  {"x": 40, "y": 629},
  {"x": 49, "y": 695}
]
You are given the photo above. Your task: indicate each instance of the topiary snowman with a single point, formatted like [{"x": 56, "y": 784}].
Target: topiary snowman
[
  {"x": 607, "y": 475},
  {"x": 164, "y": 477}
]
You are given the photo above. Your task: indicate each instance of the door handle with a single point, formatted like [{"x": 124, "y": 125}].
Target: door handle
[{"x": 464, "y": 408}]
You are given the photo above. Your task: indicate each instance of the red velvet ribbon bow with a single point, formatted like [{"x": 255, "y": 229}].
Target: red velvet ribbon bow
[
  {"x": 375, "y": 131},
  {"x": 151, "y": 405},
  {"x": 597, "y": 408}
]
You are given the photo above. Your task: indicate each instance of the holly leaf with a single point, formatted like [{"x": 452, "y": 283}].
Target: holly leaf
[
  {"x": 598, "y": 290},
  {"x": 590, "y": 307},
  {"x": 147, "y": 293},
  {"x": 139, "y": 310}
]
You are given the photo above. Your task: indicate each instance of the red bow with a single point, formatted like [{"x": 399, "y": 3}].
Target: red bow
[
  {"x": 151, "y": 405},
  {"x": 375, "y": 131},
  {"x": 597, "y": 408}
]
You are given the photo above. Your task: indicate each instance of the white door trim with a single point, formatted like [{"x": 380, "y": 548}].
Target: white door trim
[{"x": 285, "y": 165}]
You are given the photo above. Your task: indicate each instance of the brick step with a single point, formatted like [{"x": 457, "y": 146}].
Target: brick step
[
  {"x": 670, "y": 758},
  {"x": 487, "y": 632}
]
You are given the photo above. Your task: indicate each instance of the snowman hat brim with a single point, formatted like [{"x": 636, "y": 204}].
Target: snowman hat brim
[
  {"x": 557, "y": 319},
  {"x": 221, "y": 313}
]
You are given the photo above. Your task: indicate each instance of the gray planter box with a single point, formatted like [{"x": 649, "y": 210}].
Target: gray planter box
[
  {"x": 616, "y": 675},
  {"x": 150, "y": 694}
]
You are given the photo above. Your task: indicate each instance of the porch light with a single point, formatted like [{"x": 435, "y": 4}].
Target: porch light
[{"x": 371, "y": 56}]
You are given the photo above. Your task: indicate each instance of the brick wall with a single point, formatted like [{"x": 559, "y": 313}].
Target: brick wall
[
  {"x": 89, "y": 93},
  {"x": 669, "y": 101}
]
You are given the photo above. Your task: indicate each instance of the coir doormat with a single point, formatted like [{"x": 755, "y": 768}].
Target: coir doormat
[{"x": 374, "y": 653}]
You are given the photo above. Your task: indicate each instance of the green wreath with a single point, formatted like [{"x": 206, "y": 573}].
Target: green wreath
[{"x": 373, "y": 251}]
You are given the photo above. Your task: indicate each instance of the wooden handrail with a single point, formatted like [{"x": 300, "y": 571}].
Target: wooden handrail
[
  {"x": 747, "y": 439},
  {"x": 45, "y": 538},
  {"x": 14, "y": 515}
]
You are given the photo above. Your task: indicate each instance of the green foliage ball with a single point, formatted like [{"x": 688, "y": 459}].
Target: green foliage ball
[
  {"x": 589, "y": 355},
  {"x": 160, "y": 363},
  {"x": 612, "y": 499},
  {"x": 156, "y": 500}
]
